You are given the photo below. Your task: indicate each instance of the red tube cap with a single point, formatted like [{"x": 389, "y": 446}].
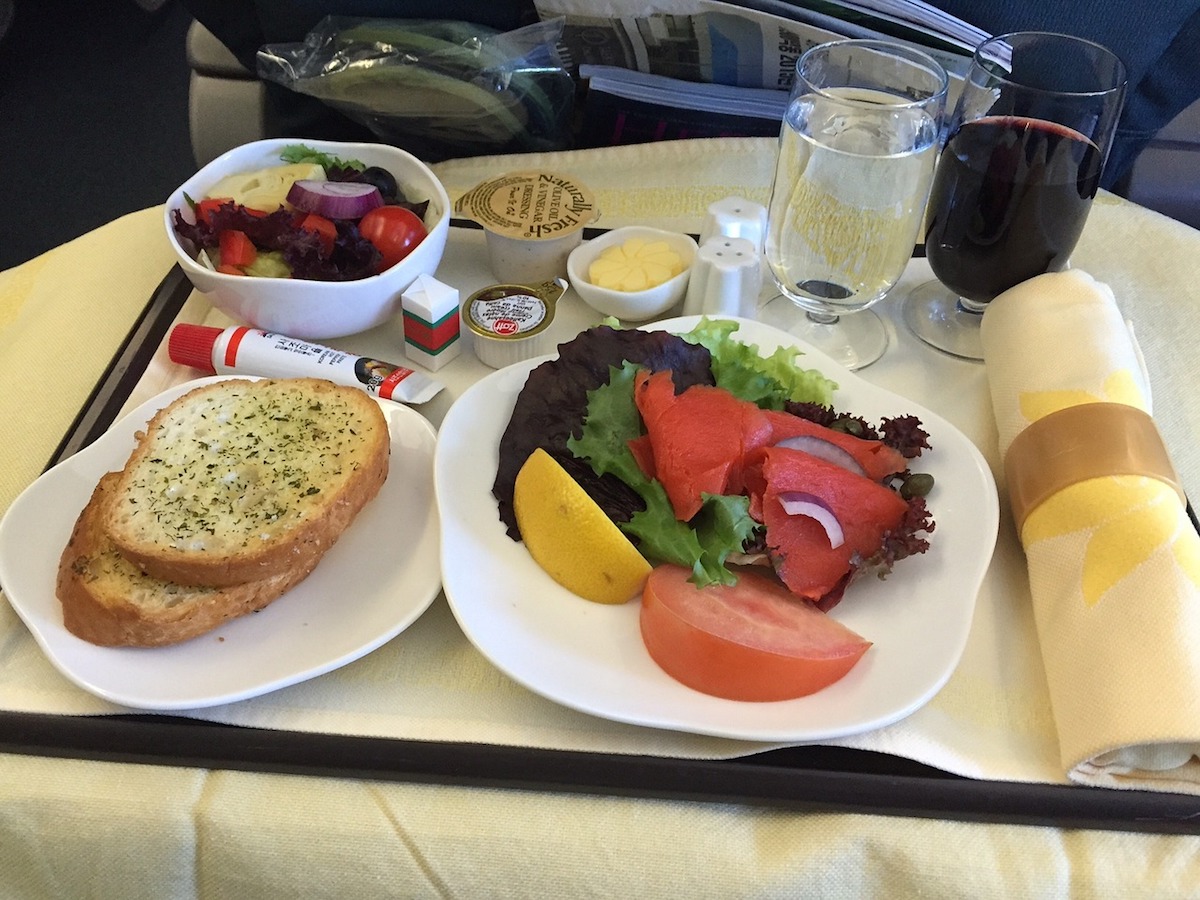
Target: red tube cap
[{"x": 192, "y": 345}]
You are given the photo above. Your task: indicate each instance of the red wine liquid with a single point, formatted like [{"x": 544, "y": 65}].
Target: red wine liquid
[{"x": 1008, "y": 202}]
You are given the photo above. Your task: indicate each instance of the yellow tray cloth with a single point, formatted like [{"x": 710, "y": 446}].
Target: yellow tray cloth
[{"x": 1114, "y": 562}]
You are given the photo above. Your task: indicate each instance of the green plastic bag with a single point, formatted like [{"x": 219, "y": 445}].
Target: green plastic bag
[{"x": 438, "y": 89}]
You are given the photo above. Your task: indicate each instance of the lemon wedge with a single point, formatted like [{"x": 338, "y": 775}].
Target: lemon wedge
[
  {"x": 569, "y": 535},
  {"x": 635, "y": 265}
]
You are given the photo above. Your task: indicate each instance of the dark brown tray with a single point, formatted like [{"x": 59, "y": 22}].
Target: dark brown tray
[{"x": 802, "y": 778}]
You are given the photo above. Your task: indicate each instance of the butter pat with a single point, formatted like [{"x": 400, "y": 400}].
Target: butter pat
[
  {"x": 431, "y": 322},
  {"x": 635, "y": 265}
]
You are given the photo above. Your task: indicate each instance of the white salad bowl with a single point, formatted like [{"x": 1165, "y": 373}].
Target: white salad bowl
[
  {"x": 631, "y": 306},
  {"x": 304, "y": 308}
]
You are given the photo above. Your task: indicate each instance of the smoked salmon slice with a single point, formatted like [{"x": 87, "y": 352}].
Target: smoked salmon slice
[
  {"x": 704, "y": 440},
  {"x": 698, "y": 439},
  {"x": 877, "y": 459},
  {"x": 799, "y": 547}
]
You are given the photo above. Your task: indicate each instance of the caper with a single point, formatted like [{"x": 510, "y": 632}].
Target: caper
[
  {"x": 848, "y": 426},
  {"x": 919, "y": 484}
]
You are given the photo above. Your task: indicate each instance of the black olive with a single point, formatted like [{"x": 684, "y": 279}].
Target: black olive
[{"x": 384, "y": 180}]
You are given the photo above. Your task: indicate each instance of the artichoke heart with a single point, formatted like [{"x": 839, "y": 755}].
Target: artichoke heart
[{"x": 265, "y": 189}]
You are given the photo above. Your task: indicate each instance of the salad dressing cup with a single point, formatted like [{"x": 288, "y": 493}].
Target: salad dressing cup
[{"x": 532, "y": 221}]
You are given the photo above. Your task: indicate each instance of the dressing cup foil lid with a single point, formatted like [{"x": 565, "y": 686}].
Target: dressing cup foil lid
[{"x": 529, "y": 205}]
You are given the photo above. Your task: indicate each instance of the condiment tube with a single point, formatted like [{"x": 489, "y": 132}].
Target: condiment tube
[{"x": 251, "y": 351}]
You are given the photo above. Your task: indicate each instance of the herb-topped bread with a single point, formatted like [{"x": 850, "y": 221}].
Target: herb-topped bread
[
  {"x": 241, "y": 480},
  {"x": 107, "y": 600}
]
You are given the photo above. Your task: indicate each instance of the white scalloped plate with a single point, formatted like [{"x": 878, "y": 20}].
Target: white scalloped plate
[
  {"x": 591, "y": 658},
  {"x": 375, "y": 581}
]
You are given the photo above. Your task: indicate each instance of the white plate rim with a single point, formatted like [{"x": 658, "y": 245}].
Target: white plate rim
[
  {"x": 245, "y": 656},
  {"x": 524, "y": 623}
]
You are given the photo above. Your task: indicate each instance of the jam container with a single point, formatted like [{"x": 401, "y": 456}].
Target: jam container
[
  {"x": 510, "y": 322},
  {"x": 532, "y": 221}
]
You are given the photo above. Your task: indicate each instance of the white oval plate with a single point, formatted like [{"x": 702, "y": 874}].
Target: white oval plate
[
  {"x": 590, "y": 657},
  {"x": 371, "y": 585}
]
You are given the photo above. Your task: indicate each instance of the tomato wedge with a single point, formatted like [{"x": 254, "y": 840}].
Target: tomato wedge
[
  {"x": 394, "y": 230},
  {"x": 749, "y": 641}
]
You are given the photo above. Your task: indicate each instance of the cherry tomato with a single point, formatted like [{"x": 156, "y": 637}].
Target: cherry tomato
[
  {"x": 229, "y": 270},
  {"x": 394, "y": 230},
  {"x": 749, "y": 641},
  {"x": 324, "y": 228}
]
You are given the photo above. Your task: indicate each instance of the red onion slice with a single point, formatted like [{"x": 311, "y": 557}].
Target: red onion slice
[
  {"x": 335, "y": 199},
  {"x": 823, "y": 449},
  {"x": 800, "y": 503}
]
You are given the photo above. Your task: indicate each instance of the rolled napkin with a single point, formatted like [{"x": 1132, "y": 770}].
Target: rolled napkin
[{"x": 1114, "y": 560}]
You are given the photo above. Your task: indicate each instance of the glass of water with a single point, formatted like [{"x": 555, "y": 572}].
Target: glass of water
[{"x": 856, "y": 153}]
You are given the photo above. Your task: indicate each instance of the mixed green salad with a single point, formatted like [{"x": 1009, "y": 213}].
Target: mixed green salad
[
  {"x": 323, "y": 218},
  {"x": 581, "y": 409}
]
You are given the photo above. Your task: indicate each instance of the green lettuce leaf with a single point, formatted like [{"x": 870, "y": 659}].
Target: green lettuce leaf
[
  {"x": 767, "y": 381},
  {"x": 721, "y": 526},
  {"x": 302, "y": 153},
  {"x": 611, "y": 421}
]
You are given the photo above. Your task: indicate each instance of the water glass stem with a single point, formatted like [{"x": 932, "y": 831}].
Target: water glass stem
[{"x": 822, "y": 318}]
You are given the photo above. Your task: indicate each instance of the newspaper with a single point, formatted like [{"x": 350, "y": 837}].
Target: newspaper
[
  {"x": 912, "y": 21},
  {"x": 663, "y": 69},
  {"x": 931, "y": 20},
  {"x": 743, "y": 43},
  {"x": 721, "y": 99}
]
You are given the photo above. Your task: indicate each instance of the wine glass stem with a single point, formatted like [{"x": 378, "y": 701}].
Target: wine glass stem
[
  {"x": 973, "y": 307},
  {"x": 822, "y": 318}
]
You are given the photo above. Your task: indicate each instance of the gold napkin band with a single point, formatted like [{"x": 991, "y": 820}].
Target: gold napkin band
[{"x": 1075, "y": 444}]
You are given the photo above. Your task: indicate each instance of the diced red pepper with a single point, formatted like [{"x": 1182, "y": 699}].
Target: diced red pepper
[
  {"x": 236, "y": 248},
  {"x": 206, "y": 207},
  {"x": 324, "y": 228}
]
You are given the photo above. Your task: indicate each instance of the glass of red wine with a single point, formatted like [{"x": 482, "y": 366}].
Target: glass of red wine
[{"x": 1025, "y": 147}]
